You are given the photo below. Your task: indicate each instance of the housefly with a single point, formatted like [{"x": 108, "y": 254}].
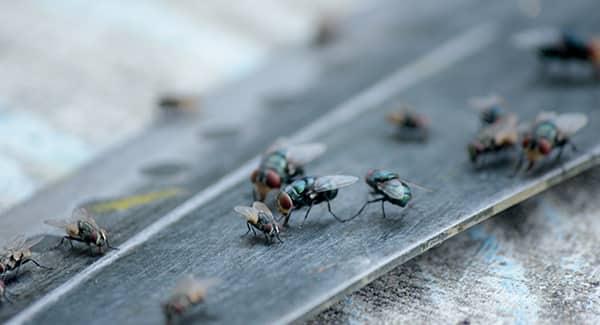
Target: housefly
[
  {"x": 387, "y": 186},
  {"x": 82, "y": 227},
  {"x": 497, "y": 137},
  {"x": 18, "y": 253},
  {"x": 411, "y": 125},
  {"x": 187, "y": 293},
  {"x": 549, "y": 132},
  {"x": 259, "y": 217},
  {"x": 281, "y": 164},
  {"x": 309, "y": 191}
]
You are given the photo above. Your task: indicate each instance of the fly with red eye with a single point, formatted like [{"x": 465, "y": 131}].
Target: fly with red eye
[
  {"x": 550, "y": 132},
  {"x": 280, "y": 165}
]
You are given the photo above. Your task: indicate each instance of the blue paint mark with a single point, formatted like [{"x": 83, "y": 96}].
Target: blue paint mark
[{"x": 509, "y": 274}]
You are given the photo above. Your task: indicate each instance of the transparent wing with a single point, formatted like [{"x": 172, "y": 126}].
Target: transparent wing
[
  {"x": 304, "y": 153},
  {"x": 392, "y": 188},
  {"x": 259, "y": 206},
  {"x": 570, "y": 123},
  {"x": 280, "y": 143},
  {"x": 84, "y": 215},
  {"x": 189, "y": 285},
  {"x": 58, "y": 223},
  {"x": 546, "y": 116},
  {"x": 481, "y": 103},
  {"x": 421, "y": 187},
  {"x": 534, "y": 38},
  {"x": 250, "y": 213},
  {"x": 328, "y": 183},
  {"x": 32, "y": 242},
  {"x": 15, "y": 244}
]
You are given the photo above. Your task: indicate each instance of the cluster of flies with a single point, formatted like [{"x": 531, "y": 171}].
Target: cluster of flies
[{"x": 282, "y": 169}]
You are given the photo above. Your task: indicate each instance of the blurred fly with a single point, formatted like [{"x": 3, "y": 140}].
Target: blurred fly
[
  {"x": 387, "y": 186},
  {"x": 18, "y": 253},
  {"x": 282, "y": 164},
  {"x": 490, "y": 108},
  {"x": 549, "y": 132},
  {"x": 82, "y": 227},
  {"x": 500, "y": 136},
  {"x": 309, "y": 191},
  {"x": 188, "y": 292},
  {"x": 410, "y": 124},
  {"x": 259, "y": 217}
]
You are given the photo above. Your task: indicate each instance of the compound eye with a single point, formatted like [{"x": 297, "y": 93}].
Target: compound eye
[
  {"x": 254, "y": 176},
  {"x": 284, "y": 201},
  {"x": 273, "y": 180},
  {"x": 545, "y": 146}
]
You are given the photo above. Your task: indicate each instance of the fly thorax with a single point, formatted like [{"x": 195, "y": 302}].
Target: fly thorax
[{"x": 72, "y": 230}]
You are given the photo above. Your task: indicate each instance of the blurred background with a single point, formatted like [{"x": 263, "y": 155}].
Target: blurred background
[{"x": 80, "y": 77}]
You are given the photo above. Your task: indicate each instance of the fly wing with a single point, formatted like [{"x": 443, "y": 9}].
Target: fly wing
[
  {"x": 58, "y": 223},
  {"x": 250, "y": 213},
  {"x": 190, "y": 285},
  {"x": 32, "y": 242},
  {"x": 84, "y": 215},
  {"x": 481, "y": 103},
  {"x": 15, "y": 244},
  {"x": 534, "y": 38},
  {"x": 570, "y": 123},
  {"x": 328, "y": 183},
  {"x": 392, "y": 188},
  {"x": 546, "y": 116},
  {"x": 304, "y": 153},
  {"x": 259, "y": 206}
]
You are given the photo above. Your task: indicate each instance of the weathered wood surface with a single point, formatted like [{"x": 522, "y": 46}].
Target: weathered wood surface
[{"x": 323, "y": 260}]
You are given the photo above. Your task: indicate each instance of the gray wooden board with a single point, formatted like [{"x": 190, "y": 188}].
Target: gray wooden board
[
  {"x": 325, "y": 259},
  {"x": 196, "y": 160},
  {"x": 535, "y": 263}
]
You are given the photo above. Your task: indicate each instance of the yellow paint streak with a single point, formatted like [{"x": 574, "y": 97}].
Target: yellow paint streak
[{"x": 133, "y": 201}]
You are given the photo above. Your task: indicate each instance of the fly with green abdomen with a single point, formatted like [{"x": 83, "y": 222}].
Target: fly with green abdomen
[
  {"x": 259, "y": 217},
  {"x": 280, "y": 165},
  {"x": 82, "y": 227},
  {"x": 387, "y": 186},
  {"x": 18, "y": 253},
  {"x": 309, "y": 191},
  {"x": 550, "y": 132}
]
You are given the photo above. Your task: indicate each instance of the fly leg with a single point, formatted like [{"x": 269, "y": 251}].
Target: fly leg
[
  {"x": 287, "y": 218},
  {"x": 279, "y": 239},
  {"x": 37, "y": 264},
  {"x": 333, "y": 214},
  {"x": 111, "y": 247},
  {"x": 383, "y": 207},
  {"x": 306, "y": 216},
  {"x": 519, "y": 165},
  {"x": 560, "y": 151}
]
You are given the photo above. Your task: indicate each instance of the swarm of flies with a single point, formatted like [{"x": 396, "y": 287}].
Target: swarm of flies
[
  {"x": 280, "y": 165},
  {"x": 310, "y": 191},
  {"x": 387, "y": 186},
  {"x": 82, "y": 227},
  {"x": 188, "y": 292},
  {"x": 17, "y": 254},
  {"x": 411, "y": 125},
  {"x": 550, "y": 132},
  {"x": 259, "y": 217}
]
